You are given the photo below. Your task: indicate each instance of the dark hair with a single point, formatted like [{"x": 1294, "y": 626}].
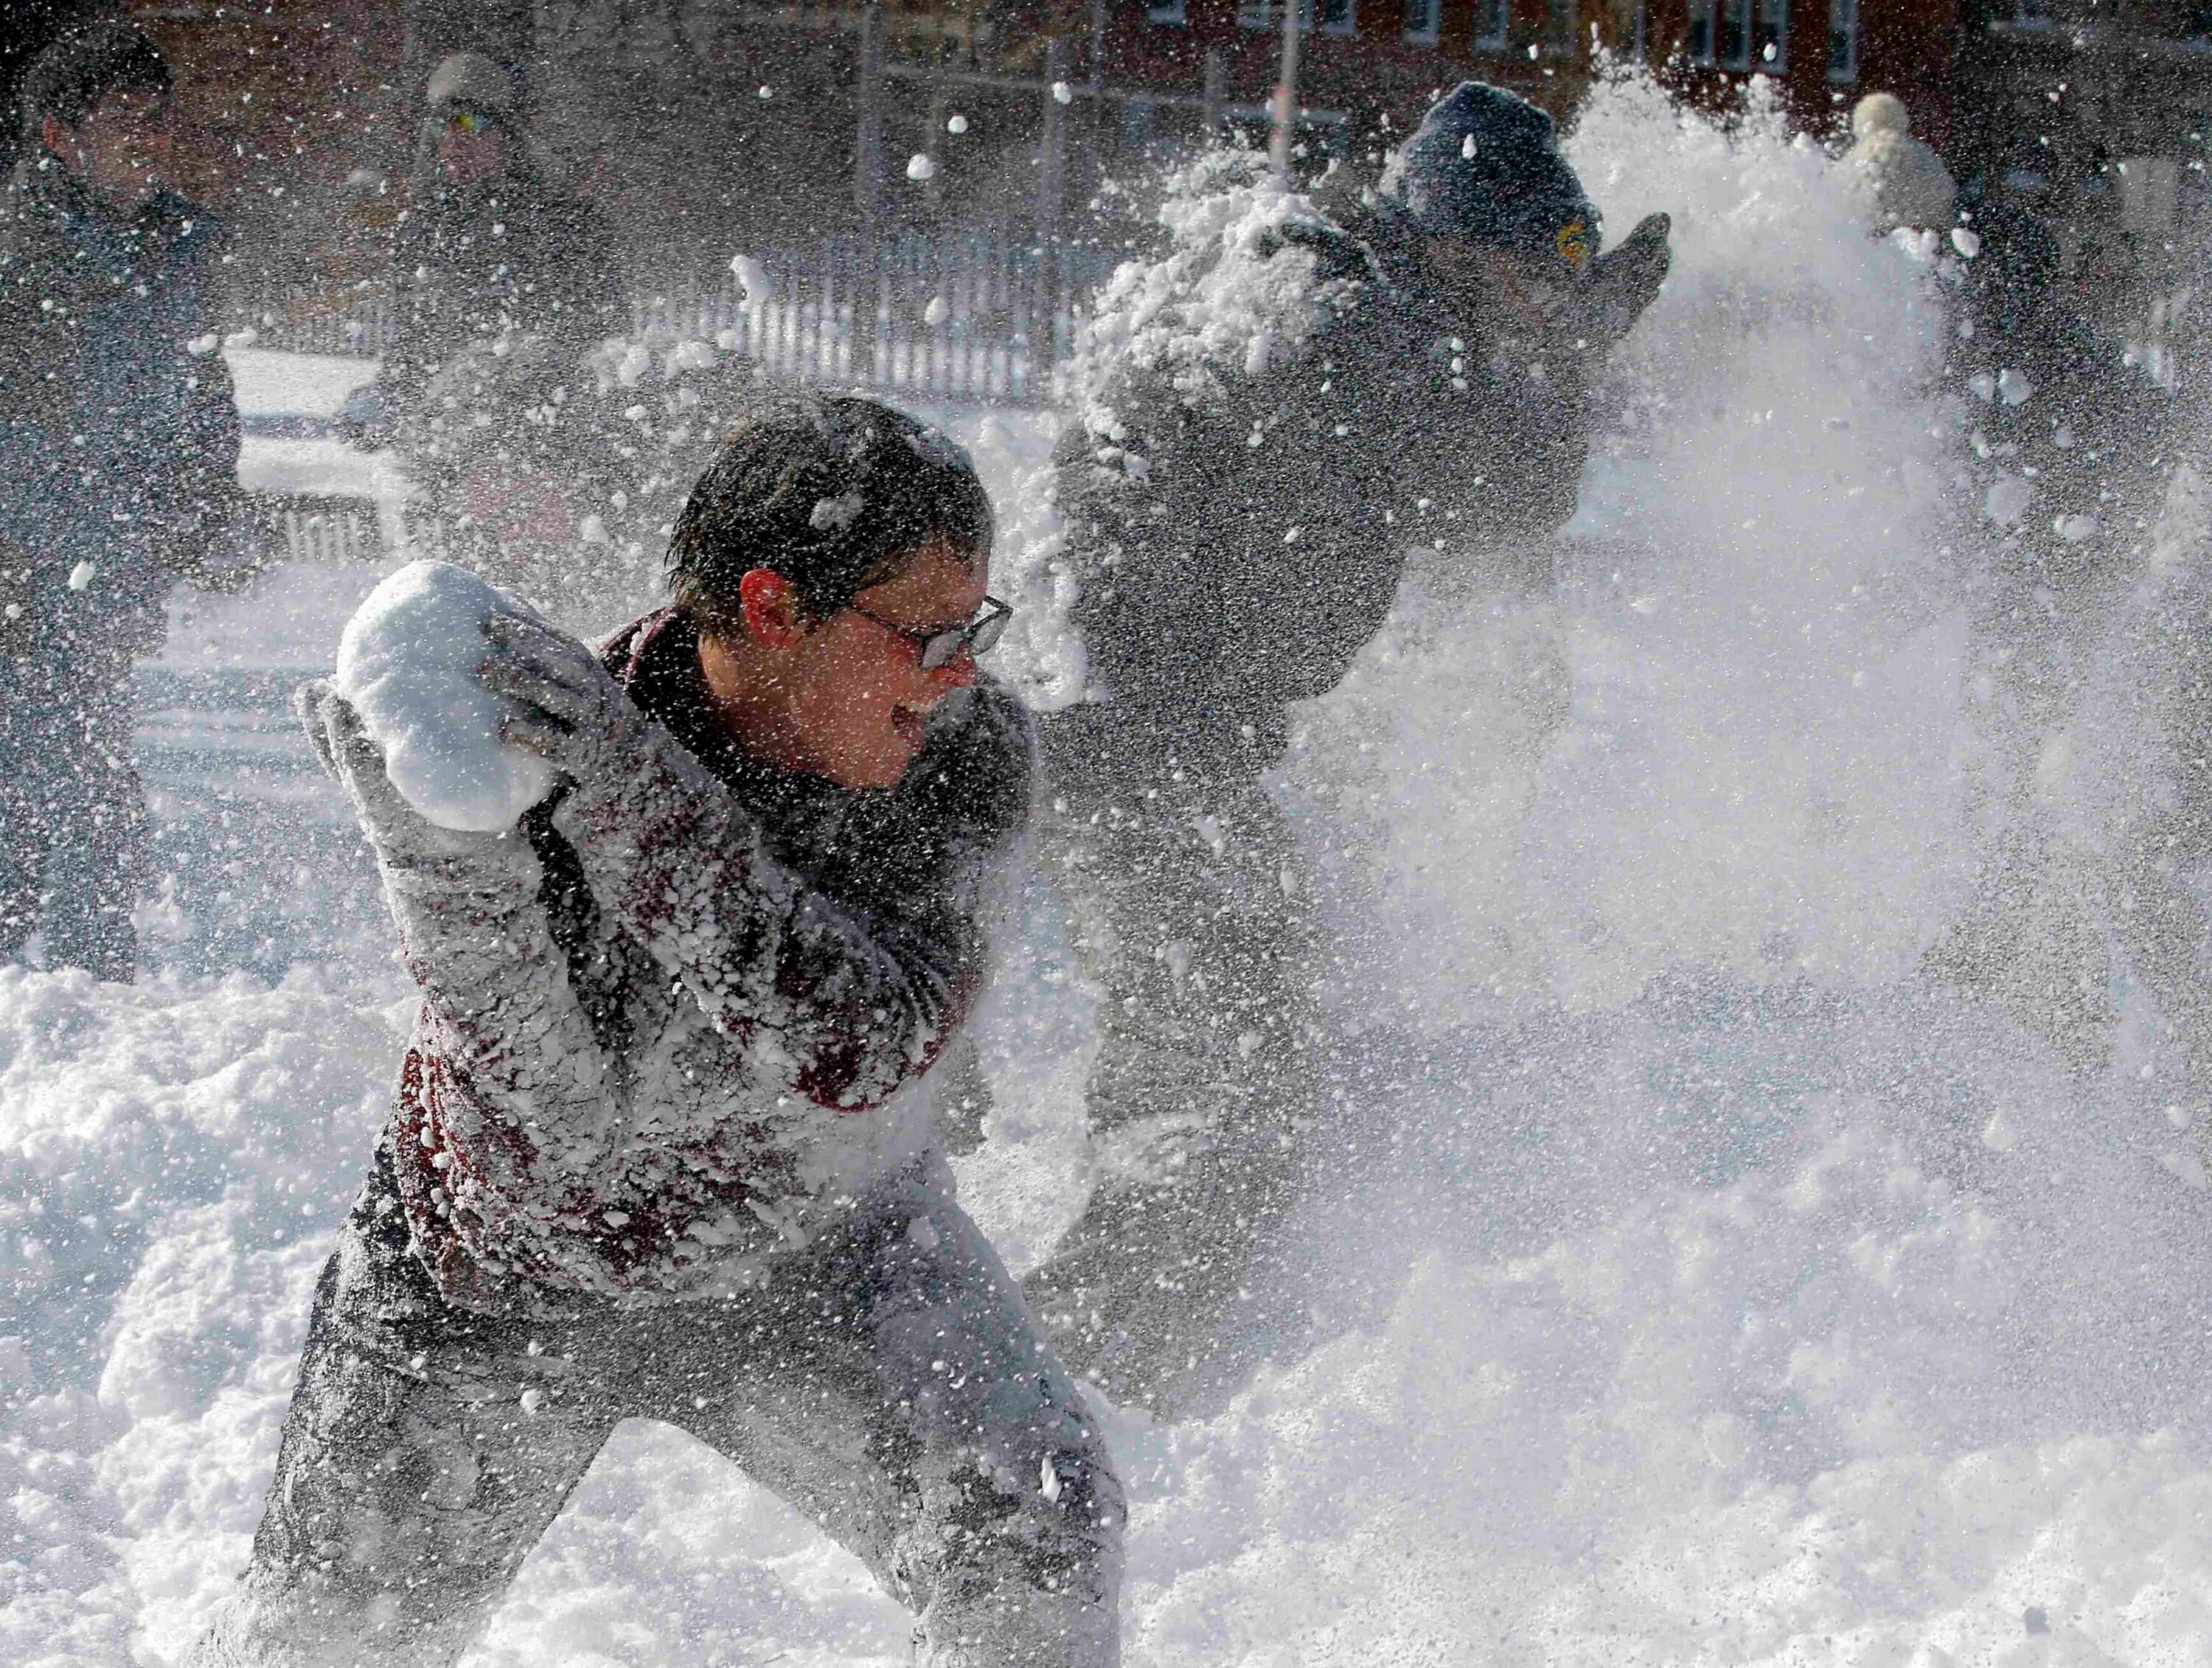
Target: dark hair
[
  {"x": 68, "y": 80},
  {"x": 832, "y": 491}
]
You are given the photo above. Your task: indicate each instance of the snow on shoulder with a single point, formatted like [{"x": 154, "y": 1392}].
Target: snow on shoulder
[
  {"x": 408, "y": 663},
  {"x": 1238, "y": 291}
]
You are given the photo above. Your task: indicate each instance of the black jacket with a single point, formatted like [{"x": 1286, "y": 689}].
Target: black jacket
[
  {"x": 118, "y": 424},
  {"x": 1238, "y": 511},
  {"x": 495, "y": 256}
]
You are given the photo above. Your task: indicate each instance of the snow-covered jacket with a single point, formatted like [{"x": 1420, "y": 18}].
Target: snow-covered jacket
[
  {"x": 1271, "y": 414},
  {"x": 689, "y": 1021},
  {"x": 119, "y": 425}
]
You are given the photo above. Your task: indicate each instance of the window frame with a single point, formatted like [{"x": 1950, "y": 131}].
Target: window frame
[
  {"x": 1172, "y": 13},
  {"x": 1844, "y": 27},
  {"x": 1429, "y": 34}
]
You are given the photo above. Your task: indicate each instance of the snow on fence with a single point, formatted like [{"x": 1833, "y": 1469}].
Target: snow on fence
[{"x": 973, "y": 318}]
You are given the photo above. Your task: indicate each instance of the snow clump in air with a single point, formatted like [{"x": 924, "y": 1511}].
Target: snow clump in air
[
  {"x": 1228, "y": 293},
  {"x": 408, "y": 663}
]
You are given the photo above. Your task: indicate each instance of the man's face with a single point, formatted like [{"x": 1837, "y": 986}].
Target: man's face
[
  {"x": 1507, "y": 289},
  {"x": 852, "y": 696},
  {"x": 123, "y": 151},
  {"x": 1524, "y": 306},
  {"x": 470, "y": 146}
]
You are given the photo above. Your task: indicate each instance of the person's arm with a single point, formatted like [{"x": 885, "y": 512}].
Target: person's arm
[
  {"x": 524, "y": 1094},
  {"x": 841, "y": 1006}
]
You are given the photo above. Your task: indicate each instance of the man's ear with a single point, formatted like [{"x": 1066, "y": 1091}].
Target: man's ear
[
  {"x": 769, "y": 605},
  {"x": 1628, "y": 278}
]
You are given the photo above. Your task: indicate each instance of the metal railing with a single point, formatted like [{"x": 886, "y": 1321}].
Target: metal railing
[{"x": 971, "y": 318}]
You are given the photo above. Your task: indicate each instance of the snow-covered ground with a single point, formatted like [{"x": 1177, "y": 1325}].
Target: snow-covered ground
[{"x": 1698, "y": 1284}]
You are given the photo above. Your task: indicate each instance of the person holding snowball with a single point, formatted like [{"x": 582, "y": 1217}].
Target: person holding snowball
[{"x": 662, "y": 1145}]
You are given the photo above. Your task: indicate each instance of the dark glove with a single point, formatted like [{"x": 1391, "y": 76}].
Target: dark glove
[
  {"x": 1626, "y": 278},
  {"x": 368, "y": 417}
]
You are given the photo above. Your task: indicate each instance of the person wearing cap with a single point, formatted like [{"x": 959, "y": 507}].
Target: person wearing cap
[
  {"x": 1272, "y": 414},
  {"x": 118, "y": 448},
  {"x": 485, "y": 248}
]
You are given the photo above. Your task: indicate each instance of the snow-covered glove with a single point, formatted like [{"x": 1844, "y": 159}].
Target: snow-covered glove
[
  {"x": 567, "y": 708},
  {"x": 1627, "y": 279},
  {"x": 406, "y": 841}
]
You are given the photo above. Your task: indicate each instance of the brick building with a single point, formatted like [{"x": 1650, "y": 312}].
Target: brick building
[{"x": 704, "y": 126}]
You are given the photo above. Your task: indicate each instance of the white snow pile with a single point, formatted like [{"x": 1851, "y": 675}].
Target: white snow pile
[{"x": 408, "y": 662}]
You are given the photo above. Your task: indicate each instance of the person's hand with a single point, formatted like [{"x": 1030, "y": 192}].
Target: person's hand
[
  {"x": 568, "y": 708},
  {"x": 1627, "y": 277},
  {"x": 402, "y": 837}
]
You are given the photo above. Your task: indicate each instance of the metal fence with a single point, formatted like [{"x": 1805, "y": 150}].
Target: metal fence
[{"x": 977, "y": 317}]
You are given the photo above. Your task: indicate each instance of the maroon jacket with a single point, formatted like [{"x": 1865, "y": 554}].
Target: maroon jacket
[{"x": 683, "y": 1019}]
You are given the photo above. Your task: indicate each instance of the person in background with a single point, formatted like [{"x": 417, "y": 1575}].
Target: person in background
[
  {"x": 118, "y": 448},
  {"x": 1275, "y": 417},
  {"x": 1904, "y": 178},
  {"x": 485, "y": 249},
  {"x": 662, "y": 1140}
]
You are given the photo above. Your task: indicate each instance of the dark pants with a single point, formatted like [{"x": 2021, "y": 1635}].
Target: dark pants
[
  {"x": 1189, "y": 914},
  {"x": 885, "y": 1381},
  {"x": 73, "y": 824}
]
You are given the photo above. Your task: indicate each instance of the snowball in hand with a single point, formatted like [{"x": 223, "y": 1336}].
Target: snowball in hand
[{"x": 408, "y": 664}]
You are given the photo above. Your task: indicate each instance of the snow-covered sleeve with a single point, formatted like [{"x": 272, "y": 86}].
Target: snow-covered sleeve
[
  {"x": 507, "y": 1078},
  {"x": 842, "y": 1001}
]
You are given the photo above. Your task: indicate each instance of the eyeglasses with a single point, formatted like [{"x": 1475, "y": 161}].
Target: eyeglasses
[
  {"x": 471, "y": 122},
  {"x": 938, "y": 647}
]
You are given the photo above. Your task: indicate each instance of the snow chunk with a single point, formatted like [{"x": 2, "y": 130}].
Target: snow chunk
[
  {"x": 955, "y": 123},
  {"x": 1968, "y": 244},
  {"x": 2014, "y": 387},
  {"x": 408, "y": 663},
  {"x": 838, "y": 513},
  {"x": 1062, "y": 93},
  {"x": 752, "y": 277},
  {"x": 200, "y": 346},
  {"x": 936, "y": 313},
  {"x": 81, "y": 576},
  {"x": 2008, "y": 501},
  {"x": 921, "y": 166}
]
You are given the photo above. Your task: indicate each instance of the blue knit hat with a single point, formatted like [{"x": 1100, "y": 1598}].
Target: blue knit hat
[{"x": 1484, "y": 164}]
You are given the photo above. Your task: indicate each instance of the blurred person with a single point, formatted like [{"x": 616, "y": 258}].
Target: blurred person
[
  {"x": 662, "y": 1144},
  {"x": 1413, "y": 369},
  {"x": 485, "y": 248},
  {"x": 1904, "y": 178},
  {"x": 119, "y": 453},
  {"x": 2069, "y": 463},
  {"x": 559, "y": 474}
]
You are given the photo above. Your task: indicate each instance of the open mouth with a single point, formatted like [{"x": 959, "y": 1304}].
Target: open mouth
[{"x": 911, "y": 723}]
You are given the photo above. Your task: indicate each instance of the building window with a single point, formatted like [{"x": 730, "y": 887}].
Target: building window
[
  {"x": 1560, "y": 19},
  {"x": 1773, "y": 42},
  {"x": 1424, "y": 20},
  {"x": 1843, "y": 41},
  {"x": 1720, "y": 32},
  {"x": 1166, "y": 11},
  {"x": 1337, "y": 16},
  {"x": 1493, "y": 21}
]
